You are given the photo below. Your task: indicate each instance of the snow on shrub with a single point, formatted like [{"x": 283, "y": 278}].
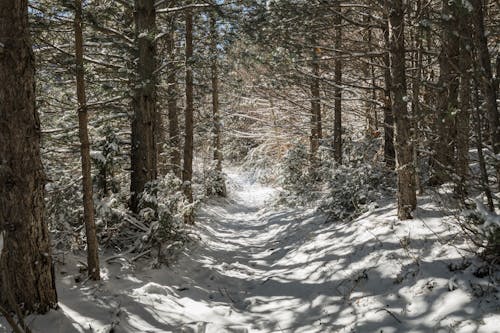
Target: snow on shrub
[
  {"x": 341, "y": 191},
  {"x": 162, "y": 208},
  {"x": 294, "y": 172},
  {"x": 350, "y": 191},
  {"x": 483, "y": 228},
  {"x": 214, "y": 181}
]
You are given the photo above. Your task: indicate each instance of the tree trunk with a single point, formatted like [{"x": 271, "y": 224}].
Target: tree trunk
[
  {"x": 315, "y": 108},
  {"x": 187, "y": 171},
  {"x": 27, "y": 277},
  {"x": 369, "y": 71},
  {"x": 479, "y": 143},
  {"x": 88, "y": 200},
  {"x": 487, "y": 81},
  {"x": 337, "y": 124},
  {"x": 373, "y": 103},
  {"x": 447, "y": 103},
  {"x": 173, "y": 120},
  {"x": 144, "y": 127},
  {"x": 217, "y": 142},
  {"x": 498, "y": 73},
  {"x": 407, "y": 199},
  {"x": 389, "y": 153},
  {"x": 463, "y": 114},
  {"x": 416, "y": 109}
]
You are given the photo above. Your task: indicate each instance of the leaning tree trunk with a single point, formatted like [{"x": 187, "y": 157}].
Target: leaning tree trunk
[
  {"x": 337, "y": 121},
  {"x": 144, "y": 136},
  {"x": 88, "y": 200},
  {"x": 407, "y": 199},
  {"x": 26, "y": 271},
  {"x": 187, "y": 171}
]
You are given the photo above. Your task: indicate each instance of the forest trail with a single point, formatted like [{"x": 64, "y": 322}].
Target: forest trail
[{"x": 260, "y": 268}]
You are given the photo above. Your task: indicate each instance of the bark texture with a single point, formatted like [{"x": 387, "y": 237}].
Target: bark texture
[
  {"x": 25, "y": 261},
  {"x": 389, "y": 152},
  {"x": 187, "y": 171},
  {"x": 144, "y": 122},
  {"x": 488, "y": 84},
  {"x": 217, "y": 140},
  {"x": 173, "y": 110},
  {"x": 463, "y": 114},
  {"x": 407, "y": 199},
  {"x": 443, "y": 162},
  {"x": 316, "y": 130},
  {"x": 88, "y": 200},
  {"x": 337, "y": 125}
]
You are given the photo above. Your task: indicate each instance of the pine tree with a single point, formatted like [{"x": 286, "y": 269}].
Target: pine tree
[
  {"x": 145, "y": 118},
  {"x": 88, "y": 200},
  {"x": 26, "y": 272},
  {"x": 187, "y": 171},
  {"x": 406, "y": 195}
]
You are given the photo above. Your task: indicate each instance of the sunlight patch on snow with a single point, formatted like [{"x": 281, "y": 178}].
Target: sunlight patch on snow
[{"x": 81, "y": 323}]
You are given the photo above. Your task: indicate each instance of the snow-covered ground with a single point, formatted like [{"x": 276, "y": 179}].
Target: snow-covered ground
[{"x": 259, "y": 268}]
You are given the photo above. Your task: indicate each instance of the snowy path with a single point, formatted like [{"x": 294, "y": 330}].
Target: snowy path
[{"x": 261, "y": 269}]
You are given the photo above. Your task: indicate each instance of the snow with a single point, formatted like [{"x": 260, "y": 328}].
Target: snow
[{"x": 264, "y": 268}]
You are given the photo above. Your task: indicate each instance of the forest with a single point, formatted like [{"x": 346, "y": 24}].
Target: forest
[{"x": 249, "y": 166}]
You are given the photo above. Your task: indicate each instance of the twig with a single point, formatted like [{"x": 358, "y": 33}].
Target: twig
[
  {"x": 118, "y": 256},
  {"x": 140, "y": 255},
  {"x": 392, "y": 314},
  {"x": 491, "y": 270},
  {"x": 228, "y": 295},
  {"x": 267, "y": 279}
]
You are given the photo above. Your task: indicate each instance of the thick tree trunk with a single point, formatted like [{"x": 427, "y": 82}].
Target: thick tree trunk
[
  {"x": 389, "y": 152},
  {"x": 337, "y": 124},
  {"x": 407, "y": 199},
  {"x": 173, "y": 120},
  {"x": 144, "y": 127},
  {"x": 187, "y": 171},
  {"x": 488, "y": 84},
  {"x": 88, "y": 200},
  {"x": 27, "y": 276}
]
